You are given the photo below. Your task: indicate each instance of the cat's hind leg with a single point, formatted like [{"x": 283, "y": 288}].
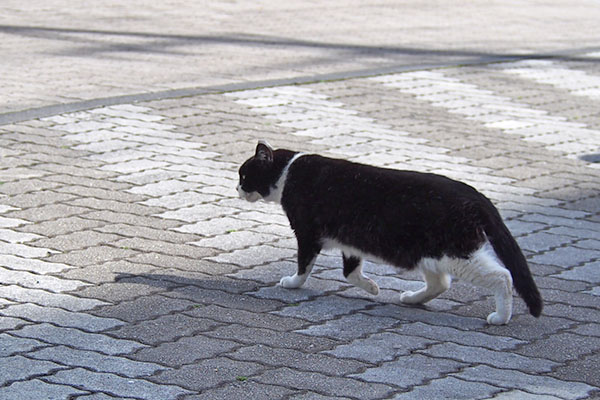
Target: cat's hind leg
[
  {"x": 436, "y": 283},
  {"x": 483, "y": 269},
  {"x": 307, "y": 255},
  {"x": 354, "y": 275}
]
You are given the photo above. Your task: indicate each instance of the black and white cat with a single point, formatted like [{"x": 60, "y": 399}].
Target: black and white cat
[{"x": 407, "y": 219}]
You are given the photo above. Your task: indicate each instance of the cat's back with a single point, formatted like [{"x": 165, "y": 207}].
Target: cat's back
[{"x": 341, "y": 178}]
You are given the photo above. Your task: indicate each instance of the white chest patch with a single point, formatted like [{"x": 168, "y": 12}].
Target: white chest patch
[{"x": 277, "y": 191}]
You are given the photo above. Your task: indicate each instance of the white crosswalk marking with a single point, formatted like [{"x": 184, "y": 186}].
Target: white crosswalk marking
[{"x": 495, "y": 111}]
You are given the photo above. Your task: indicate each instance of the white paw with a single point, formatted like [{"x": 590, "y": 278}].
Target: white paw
[
  {"x": 497, "y": 319},
  {"x": 291, "y": 282},
  {"x": 409, "y": 297},
  {"x": 371, "y": 287}
]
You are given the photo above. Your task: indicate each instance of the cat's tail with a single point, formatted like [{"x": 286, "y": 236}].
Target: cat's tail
[{"x": 506, "y": 248}]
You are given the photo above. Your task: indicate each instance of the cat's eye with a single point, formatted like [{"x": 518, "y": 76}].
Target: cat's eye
[{"x": 242, "y": 178}]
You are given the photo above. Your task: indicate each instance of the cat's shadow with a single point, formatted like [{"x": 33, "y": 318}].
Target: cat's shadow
[{"x": 209, "y": 289}]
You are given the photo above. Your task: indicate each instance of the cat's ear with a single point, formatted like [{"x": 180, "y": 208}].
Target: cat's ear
[{"x": 264, "y": 151}]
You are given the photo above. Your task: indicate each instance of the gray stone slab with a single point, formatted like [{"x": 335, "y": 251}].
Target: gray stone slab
[
  {"x": 410, "y": 370},
  {"x": 10, "y": 345},
  {"x": 348, "y": 327},
  {"x": 36, "y": 389},
  {"x": 279, "y": 357},
  {"x": 96, "y": 361},
  {"x": 324, "y": 308},
  {"x": 324, "y": 385},
  {"x": 209, "y": 373},
  {"x": 450, "y": 388},
  {"x": 272, "y": 338},
  {"x": 532, "y": 383},
  {"x": 186, "y": 350},
  {"x": 116, "y": 385},
  {"x": 243, "y": 390},
  {"x": 16, "y": 368},
  {"x": 497, "y": 359},
  {"x": 86, "y": 341},
  {"x": 385, "y": 346},
  {"x": 467, "y": 338},
  {"x": 57, "y": 316},
  {"x": 166, "y": 328}
]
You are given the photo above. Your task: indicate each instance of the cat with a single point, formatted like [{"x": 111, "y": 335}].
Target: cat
[{"x": 408, "y": 219}]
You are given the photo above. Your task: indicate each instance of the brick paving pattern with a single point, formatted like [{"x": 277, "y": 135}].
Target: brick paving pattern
[{"x": 130, "y": 269}]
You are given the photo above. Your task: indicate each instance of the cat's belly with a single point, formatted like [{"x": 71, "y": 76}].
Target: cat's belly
[{"x": 349, "y": 250}]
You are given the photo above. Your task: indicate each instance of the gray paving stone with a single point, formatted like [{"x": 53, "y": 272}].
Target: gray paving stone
[
  {"x": 11, "y": 236},
  {"x": 7, "y": 323},
  {"x": 588, "y": 272},
  {"x": 315, "y": 396},
  {"x": 216, "y": 226},
  {"x": 296, "y": 359},
  {"x": 116, "y": 385},
  {"x": 23, "y": 250},
  {"x": 61, "y": 226},
  {"x": 542, "y": 241},
  {"x": 48, "y": 212},
  {"x": 16, "y": 368},
  {"x": 92, "y": 256},
  {"x": 385, "y": 346},
  {"x": 467, "y": 338},
  {"x": 225, "y": 299},
  {"x": 450, "y": 388},
  {"x": 498, "y": 359},
  {"x": 11, "y": 345},
  {"x": 142, "y": 308},
  {"x": 60, "y": 317},
  {"x": 410, "y": 370},
  {"x": 243, "y": 390},
  {"x": 520, "y": 395},
  {"x": 575, "y": 313},
  {"x": 31, "y": 265},
  {"x": 99, "y": 396},
  {"x": 186, "y": 350},
  {"x": 96, "y": 361},
  {"x": 532, "y": 383},
  {"x": 405, "y": 313},
  {"x": 252, "y": 257},
  {"x": 209, "y": 373},
  {"x": 272, "y": 338},
  {"x": 108, "y": 272},
  {"x": 251, "y": 319},
  {"x": 51, "y": 334},
  {"x": 36, "y": 389},
  {"x": 566, "y": 257},
  {"x": 166, "y": 328},
  {"x": 348, "y": 327},
  {"x": 122, "y": 290},
  {"x": 324, "y": 385},
  {"x": 583, "y": 369},
  {"x": 77, "y": 240},
  {"x": 35, "y": 281},
  {"x": 324, "y": 308}
]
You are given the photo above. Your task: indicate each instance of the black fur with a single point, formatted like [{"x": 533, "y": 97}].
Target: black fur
[{"x": 398, "y": 216}]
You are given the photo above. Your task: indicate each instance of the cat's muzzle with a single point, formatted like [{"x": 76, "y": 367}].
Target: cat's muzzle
[{"x": 251, "y": 197}]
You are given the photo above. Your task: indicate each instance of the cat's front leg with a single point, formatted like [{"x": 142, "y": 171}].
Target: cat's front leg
[
  {"x": 307, "y": 254},
  {"x": 354, "y": 275}
]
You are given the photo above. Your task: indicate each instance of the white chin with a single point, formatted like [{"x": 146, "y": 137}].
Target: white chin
[{"x": 251, "y": 197}]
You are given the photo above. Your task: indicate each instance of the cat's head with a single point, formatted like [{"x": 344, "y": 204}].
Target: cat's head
[{"x": 256, "y": 174}]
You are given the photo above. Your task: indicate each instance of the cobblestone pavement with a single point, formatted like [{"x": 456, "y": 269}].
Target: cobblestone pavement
[{"x": 130, "y": 269}]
